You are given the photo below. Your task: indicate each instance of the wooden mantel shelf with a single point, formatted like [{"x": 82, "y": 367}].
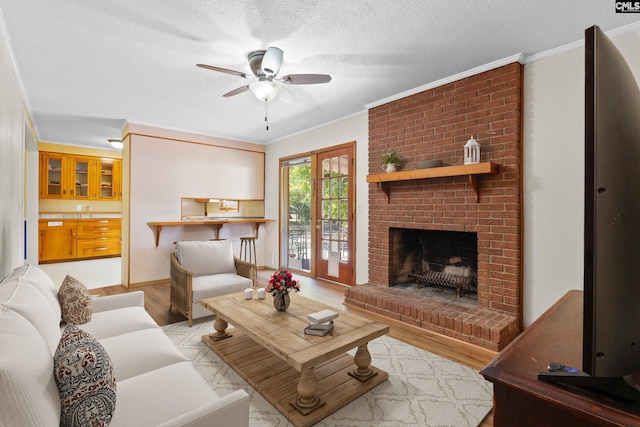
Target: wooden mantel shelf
[
  {"x": 472, "y": 171},
  {"x": 216, "y": 223}
]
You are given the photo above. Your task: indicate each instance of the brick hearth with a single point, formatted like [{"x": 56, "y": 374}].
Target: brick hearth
[{"x": 436, "y": 124}]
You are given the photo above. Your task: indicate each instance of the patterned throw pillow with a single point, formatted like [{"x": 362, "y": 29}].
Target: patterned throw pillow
[
  {"x": 84, "y": 376},
  {"x": 75, "y": 301}
]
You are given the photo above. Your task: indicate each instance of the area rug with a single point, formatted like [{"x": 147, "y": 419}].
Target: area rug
[{"x": 423, "y": 389}]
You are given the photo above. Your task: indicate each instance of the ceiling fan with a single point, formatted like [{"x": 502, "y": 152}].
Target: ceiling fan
[{"x": 265, "y": 65}]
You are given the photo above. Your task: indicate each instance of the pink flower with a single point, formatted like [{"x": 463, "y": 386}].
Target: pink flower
[{"x": 282, "y": 281}]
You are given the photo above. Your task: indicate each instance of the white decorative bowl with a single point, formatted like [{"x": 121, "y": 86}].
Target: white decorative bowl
[{"x": 425, "y": 164}]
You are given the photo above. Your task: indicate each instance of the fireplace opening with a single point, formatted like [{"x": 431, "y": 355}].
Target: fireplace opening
[{"x": 434, "y": 259}]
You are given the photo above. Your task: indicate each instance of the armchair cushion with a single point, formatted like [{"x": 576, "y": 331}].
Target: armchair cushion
[
  {"x": 206, "y": 257},
  {"x": 217, "y": 285}
]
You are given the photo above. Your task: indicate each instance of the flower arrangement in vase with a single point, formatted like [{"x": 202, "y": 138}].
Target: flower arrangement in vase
[
  {"x": 279, "y": 285},
  {"x": 390, "y": 160}
]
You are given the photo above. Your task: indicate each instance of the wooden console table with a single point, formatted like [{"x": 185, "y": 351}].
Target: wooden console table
[
  {"x": 521, "y": 399},
  {"x": 216, "y": 224}
]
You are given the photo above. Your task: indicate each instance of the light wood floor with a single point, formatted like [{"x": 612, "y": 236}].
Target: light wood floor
[{"x": 332, "y": 294}]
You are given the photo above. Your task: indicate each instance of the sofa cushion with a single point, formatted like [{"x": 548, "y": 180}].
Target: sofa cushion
[
  {"x": 206, "y": 257},
  {"x": 217, "y": 285},
  {"x": 28, "y": 393},
  {"x": 84, "y": 375},
  {"x": 168, "y": 393},
  {"x": 32, "y": 294},
  {"x": 141, "y": 351},
  {"x": 119, "y": 321},
  {"x": 75, "y": 301},
  {"x": 36, "y": 276}
]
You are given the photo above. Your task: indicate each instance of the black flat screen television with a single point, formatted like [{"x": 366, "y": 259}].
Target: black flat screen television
[{"x": 611, "y": 316}]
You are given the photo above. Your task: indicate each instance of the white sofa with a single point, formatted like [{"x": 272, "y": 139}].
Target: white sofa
[{"x": 156, "y": 384}]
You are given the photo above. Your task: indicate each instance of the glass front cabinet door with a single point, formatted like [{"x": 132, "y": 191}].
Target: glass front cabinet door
[
  {"x": 109, "y": 179},
  {"x": 54, "y": 176},
  {"x": 81, "y": 168}
]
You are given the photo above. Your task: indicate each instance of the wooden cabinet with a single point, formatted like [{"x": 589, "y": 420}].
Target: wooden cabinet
[
  {"x": 64, "y": 176},
  {"x": 65, "y": 240},
  {"x": 57, "y": 240},
  {"x": 98, "y": 237},
  {"x": 521, "y": 399}
]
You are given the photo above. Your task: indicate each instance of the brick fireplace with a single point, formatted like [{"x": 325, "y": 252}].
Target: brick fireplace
[{"x": 435, "y": 125}]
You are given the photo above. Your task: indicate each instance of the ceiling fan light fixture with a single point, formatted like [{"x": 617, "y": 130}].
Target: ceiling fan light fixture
[
  {"x": 116, "y": 143},
  {"x": 265, "y": 90}
]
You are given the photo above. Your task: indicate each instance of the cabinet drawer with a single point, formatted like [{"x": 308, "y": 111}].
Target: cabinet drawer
[
  {"x": 91, "y": 229},
  {"x": 99, "y": 247}
]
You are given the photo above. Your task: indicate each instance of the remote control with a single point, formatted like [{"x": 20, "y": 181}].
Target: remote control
[{"x": 559, "y": 367}]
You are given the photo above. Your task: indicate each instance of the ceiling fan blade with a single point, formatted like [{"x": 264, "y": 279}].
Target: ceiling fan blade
[
  {"x": 223, "y": 70},
  {"x": 272, "y": 61},
  {"x": 236, "y": 91},
  {"x": 306, "y": 79}
]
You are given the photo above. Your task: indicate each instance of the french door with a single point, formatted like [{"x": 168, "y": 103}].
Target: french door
[
  {"x": 335, "y": 215},
  {"x": 317, "y": 213}
]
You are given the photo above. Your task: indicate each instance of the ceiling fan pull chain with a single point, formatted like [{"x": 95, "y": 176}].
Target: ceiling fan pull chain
[{"x": 266, "y": 113}]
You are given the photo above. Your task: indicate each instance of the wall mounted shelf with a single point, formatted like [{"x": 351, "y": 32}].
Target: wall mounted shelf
[
  {"x": 216, "y": 224},
  {"x": 472, "y": 171}
]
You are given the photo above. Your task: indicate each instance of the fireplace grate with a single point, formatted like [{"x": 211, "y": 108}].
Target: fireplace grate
[{"x": 461, "y": 283}]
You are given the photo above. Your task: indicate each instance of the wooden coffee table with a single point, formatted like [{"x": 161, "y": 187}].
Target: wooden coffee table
[{"x": 318, "y": 377}]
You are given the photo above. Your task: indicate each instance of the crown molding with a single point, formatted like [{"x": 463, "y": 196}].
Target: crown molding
[
  {"x": 472, "y": 72},
  {"x": 13, "y": 64},
  {"x": 580, "y": 43}
]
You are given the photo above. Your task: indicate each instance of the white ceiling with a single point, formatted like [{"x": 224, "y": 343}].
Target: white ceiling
[{"x": 89, "y": 66}]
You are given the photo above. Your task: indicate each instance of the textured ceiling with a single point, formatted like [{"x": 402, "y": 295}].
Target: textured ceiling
[{"x": 89, "y": 66}]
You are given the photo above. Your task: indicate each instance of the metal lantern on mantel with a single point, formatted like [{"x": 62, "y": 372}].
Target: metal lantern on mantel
[{"x": 471, "y": 152}]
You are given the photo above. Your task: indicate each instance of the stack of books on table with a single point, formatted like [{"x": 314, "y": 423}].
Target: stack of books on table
[{"x": 321, "y": 323}]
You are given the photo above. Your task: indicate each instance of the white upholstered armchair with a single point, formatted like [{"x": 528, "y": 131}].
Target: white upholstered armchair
[{"x": 205, "y": 269}]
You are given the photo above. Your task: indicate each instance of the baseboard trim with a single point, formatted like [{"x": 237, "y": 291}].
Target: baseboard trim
[{"x": 150, "y": 282}]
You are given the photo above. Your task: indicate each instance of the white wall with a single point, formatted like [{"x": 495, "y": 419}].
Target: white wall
[
  {"x": 12, "y": 153},
  {"x": 554, "y": 173},
  {"x": 352, "y": 128},
  {"x": 162, "y": 167}
]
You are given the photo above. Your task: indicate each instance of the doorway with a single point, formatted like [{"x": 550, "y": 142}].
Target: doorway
[
  {"x": 297, "y": 188},
  {"x": 318, "y": 215}
]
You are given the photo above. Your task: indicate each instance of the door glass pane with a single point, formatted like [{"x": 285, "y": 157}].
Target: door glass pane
[
  {"x": 344, "y": 165},
  {"x": 82, "y": 179},
  {"x": 343, "y": 209},
  {"x": 54, "y": 177},
  {"x": 106, "y": 180},
  {"x": 326, "y": 208},
  {"x": 335, "y": 207},
  {"x": 299, "y": 217}
]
